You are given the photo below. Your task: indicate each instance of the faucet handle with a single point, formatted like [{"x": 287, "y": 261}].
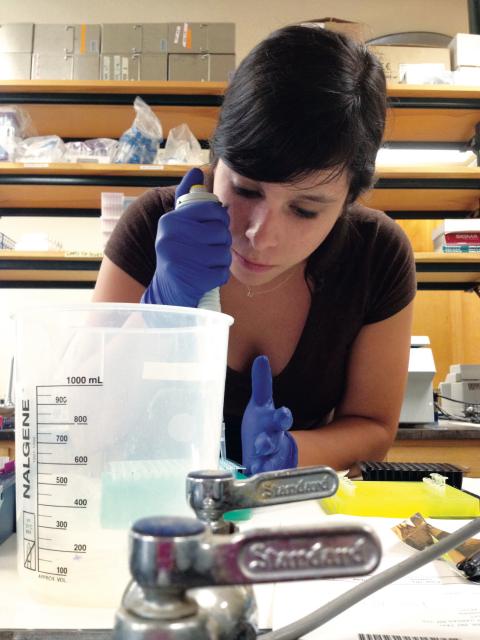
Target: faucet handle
[
  {"x": 213, "y": 493},
  {"x": 170, "y": 556},
  {"x": 180, "y": 553}
]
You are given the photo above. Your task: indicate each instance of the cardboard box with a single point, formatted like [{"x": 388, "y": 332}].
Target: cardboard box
[
  {"x": 465, "y": 50},
  {"x": 355, "y": 30},
  {"x": 392, "y": 57}
]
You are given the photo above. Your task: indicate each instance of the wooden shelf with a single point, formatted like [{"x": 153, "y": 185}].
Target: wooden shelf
[
  {"x": 445, "y": 93},
  {"x": 455, "y": 271},
  {"x": 91, "y": 169},
  {"x": 433, "y": 113},
  {"x": 426, "y": 189},
  {"x": 48, "y": 269},
  {"x": 447, "y": 270},
  {"x": 74, "y": 189},
  {"x": 48, "y": 188},
  {"x": 104, "y": 109},
  {"x": 411, "y": 172},
  {"x": 83, "y": 109},
  {"x": 168, "y": 87}
]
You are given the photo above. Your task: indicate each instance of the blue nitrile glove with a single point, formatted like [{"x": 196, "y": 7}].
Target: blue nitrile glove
[
  {"x": 193, "y": 250},
  {"x": 266, "y": 443}
]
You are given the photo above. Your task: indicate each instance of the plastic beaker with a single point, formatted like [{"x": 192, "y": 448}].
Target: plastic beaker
[{"x": 115, "y": 404}]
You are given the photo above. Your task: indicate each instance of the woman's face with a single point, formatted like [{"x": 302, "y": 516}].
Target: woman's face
[{"x": 276, "y": 226}]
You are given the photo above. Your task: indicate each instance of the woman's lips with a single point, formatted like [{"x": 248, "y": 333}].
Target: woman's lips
[{"x": 251, "y": 266}]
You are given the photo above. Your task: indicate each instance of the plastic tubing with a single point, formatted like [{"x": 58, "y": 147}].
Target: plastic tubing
[{"x": 346, "y": 600}]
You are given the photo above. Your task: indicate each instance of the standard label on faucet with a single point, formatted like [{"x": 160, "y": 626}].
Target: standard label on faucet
[
  {"x": 311, "y": 486},
  {"x": 296, "y": 558}
]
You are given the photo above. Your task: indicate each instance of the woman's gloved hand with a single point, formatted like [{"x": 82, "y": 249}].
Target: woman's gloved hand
[
  {"x": 193, "y": 250},
  {"x": 266, "y": 443}
]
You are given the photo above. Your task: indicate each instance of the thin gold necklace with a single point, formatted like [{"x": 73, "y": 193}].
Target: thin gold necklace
[{"x": 251, "y": 292}]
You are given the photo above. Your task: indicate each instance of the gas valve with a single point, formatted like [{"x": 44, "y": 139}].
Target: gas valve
[
  {"x": 170, "y": 556},
  {"x": 211, "y": 494}
]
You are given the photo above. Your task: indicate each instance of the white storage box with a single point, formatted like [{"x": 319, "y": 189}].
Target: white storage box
[
  {"x": 466, "y": 76},
  {"x": 457, "y": 233},
  {"x": 465, "y": 50}
]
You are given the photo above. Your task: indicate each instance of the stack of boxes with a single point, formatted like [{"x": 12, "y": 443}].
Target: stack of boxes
[
  {"x": 457, "y": 64},
  {"x": 134, "y": 52},
  {"x": 457, "y": 236},
  {"x": 201, "y": 51},
  {"x": 65, "y": 52},
  {"x": 150, "y": 51}
]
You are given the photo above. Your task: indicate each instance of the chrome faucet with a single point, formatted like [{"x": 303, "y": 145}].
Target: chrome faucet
[
  {"x": 170, "y": 556},
  {"x": 211, "y": 494},
  {"x": 192, "y": 578}
]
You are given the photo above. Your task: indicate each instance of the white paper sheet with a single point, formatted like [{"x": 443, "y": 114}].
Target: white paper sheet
[{"x": 432, "y": 602}]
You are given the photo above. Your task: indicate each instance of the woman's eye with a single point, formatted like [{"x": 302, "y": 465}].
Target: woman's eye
[
  {"x": 246, "y": 193},
  {"x": 304, "y": 213}
]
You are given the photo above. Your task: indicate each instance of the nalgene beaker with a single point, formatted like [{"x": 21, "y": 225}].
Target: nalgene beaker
[{"x": 115, "y": 404}]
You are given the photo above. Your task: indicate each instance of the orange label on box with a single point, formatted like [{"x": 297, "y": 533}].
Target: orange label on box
[
  {"x": 187, "y": 36},
  {"x": 83, "y": 38}
]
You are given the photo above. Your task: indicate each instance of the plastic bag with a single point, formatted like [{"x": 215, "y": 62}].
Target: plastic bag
[
  {"x": 96, "y": 150},
  {"x": 38, "y": 241},
  {"x": 182, "y": 147},
  {"x": 40, "y": 149},
  {"x": 140, "y": 143},
  {"x": 15, "y": 124}
]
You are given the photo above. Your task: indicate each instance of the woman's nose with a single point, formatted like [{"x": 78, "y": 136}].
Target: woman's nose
[{"x": 262, "y": 230}]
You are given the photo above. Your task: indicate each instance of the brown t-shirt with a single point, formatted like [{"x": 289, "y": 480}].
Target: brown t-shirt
[{"x": 364, "y": 273}]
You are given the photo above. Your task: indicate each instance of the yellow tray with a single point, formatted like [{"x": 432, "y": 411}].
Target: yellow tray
[{"x": 401, "y": 499}]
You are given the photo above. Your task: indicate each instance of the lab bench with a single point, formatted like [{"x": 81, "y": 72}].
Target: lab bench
[{"x": 455, "y": 443}]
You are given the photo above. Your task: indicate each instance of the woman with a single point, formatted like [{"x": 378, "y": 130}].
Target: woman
[{"x": 319, "y": 284}]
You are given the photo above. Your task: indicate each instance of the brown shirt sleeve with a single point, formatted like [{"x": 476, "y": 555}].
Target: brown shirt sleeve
[
  {"x": 132, "y": 243},
  {"x": 393, "y": 273}
]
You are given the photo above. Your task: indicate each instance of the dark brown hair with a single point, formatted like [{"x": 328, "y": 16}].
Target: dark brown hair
[{"x": 304, "y": 99}]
